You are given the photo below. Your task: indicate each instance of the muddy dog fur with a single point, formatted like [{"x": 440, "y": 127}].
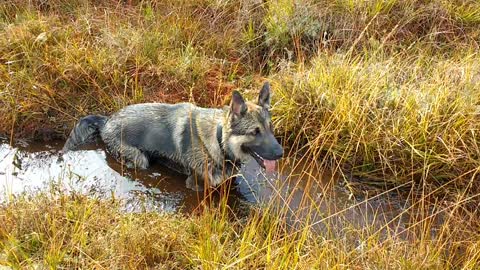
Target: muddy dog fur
[{"x": 207, "y": 143}]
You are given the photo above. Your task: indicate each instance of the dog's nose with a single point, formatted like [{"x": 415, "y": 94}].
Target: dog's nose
[{"x": 279, "y": 153}]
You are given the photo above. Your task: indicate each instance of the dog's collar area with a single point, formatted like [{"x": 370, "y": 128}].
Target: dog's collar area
[
  {"x": 220, "y": 135},
  {"x": 226, "y": 152}
]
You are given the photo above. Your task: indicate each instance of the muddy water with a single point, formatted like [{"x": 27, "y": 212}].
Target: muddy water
[{"x": 304, "y": 191}]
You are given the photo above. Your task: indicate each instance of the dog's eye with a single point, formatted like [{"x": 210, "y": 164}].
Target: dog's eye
[{"x": 255, "y": 132}]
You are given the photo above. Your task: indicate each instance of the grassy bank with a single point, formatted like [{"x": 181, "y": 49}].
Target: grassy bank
[
  {"x": 77, "y": 232},
  {"x": 395, "y": 119}
]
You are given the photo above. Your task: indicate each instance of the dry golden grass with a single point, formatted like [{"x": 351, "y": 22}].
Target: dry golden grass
[
  {"x": 73, "y": 231},
  {"x": 394, "y": 119}
]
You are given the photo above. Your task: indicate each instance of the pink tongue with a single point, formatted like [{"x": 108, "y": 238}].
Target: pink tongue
[{"x": 269, "y": 165}]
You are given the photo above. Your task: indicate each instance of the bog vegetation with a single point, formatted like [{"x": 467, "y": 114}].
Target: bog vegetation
[{"x": 383, "y": 92}]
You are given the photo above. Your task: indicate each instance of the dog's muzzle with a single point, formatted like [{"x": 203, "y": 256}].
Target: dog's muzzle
[{"x": 266, "y": 161}]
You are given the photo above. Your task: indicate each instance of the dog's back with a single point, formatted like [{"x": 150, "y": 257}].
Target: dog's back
[{"x": 175, "y": 131}]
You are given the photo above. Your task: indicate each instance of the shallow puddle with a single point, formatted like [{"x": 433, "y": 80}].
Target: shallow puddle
[
  {"x": 303, "y": 191},
  {"x": 33, "y": 167}
]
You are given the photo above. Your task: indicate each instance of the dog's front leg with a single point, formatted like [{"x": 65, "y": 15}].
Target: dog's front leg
[
  {"x": 216, "y": 177},
  {"x": 194, "y": 182}
]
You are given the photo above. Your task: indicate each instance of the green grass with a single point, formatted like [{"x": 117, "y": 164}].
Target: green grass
[{"x": 384, "y": 93}]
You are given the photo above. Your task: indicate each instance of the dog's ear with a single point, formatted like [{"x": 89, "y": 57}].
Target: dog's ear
[
  {"x": 264, "y": 99},
  {"x": 237, "y": 105}
]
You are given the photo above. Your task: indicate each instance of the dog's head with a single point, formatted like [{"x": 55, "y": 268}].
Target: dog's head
[{"x": 251, "y": 130}]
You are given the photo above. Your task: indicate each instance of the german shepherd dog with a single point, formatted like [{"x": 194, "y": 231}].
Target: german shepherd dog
[{"x": 203, "y": 143}]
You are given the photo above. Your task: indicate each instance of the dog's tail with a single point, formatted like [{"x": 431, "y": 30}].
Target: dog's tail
[{"x": 87, "y": 130}]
